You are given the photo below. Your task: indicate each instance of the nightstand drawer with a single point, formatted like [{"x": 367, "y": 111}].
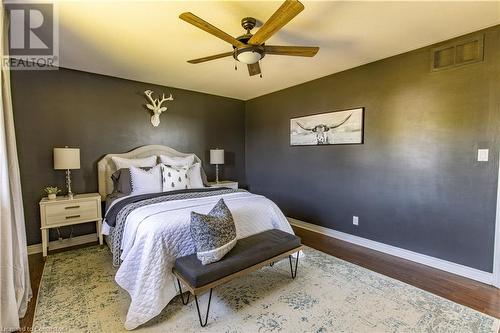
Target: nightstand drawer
[{"x": 72, "y": 211}]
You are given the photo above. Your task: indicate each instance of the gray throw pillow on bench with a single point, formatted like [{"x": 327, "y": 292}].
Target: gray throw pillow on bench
[{"x": 214, "y": 234}]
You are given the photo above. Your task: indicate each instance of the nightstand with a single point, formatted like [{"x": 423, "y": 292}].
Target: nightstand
[
  {"x": 224, "y": 183},
  {"x": 62, "y": 212}
]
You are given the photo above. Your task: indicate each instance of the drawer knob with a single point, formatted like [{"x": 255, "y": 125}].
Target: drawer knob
[
  {"x": 71, "y": 207},
  {"x": 72, "y": 217}
]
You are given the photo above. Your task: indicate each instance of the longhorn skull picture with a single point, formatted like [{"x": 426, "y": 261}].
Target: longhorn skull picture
[
  {"x": 338, "y": 127},
  {"x": 320, "y": 130},
  {"x": 156, "y": 107}
]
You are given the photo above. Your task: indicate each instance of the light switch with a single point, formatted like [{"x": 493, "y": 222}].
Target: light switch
[{"x": 482, "y": 155}]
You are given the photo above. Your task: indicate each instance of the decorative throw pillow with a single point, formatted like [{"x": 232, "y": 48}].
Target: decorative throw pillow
[
  {"x": 177, "y": 161},
  {"x": 123, "y": 163},
  {"x": 174, "y": 178},
  {"x": 186, "y": 162},
  {"x": 145, "y": 181},
  {"x": 194, "y": 175},
  {"x": 204, "y": 177},
  {"x": 214, "y": 234},
  {"x": 122, "y": 181}
]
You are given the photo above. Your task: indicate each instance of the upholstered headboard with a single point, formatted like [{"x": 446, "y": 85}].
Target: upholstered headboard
[{"x": 106, "y": 167}]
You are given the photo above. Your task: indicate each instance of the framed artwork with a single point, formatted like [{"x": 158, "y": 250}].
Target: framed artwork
[{"x": 331, "y": 128}]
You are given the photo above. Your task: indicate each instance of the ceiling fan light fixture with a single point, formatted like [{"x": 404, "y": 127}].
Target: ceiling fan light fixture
[
  {"x": 250, "y": 48},
  {"x": 249, "y": 57}
]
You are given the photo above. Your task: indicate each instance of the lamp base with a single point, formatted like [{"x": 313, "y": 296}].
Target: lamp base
[
  {"x": 68, "y": 184},
  {"x": 217, "y": 173}
]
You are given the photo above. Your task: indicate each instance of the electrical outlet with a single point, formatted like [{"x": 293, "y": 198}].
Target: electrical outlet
[
  {"x": 482, "y": 155},
  {"x": 355, "y": 220}
]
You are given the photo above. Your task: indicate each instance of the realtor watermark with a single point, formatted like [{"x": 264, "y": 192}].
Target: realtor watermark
[{"x": 33, "y": 35}]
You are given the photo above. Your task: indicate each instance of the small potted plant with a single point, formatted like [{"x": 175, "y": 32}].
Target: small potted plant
[{"x": 51, "y": 191}]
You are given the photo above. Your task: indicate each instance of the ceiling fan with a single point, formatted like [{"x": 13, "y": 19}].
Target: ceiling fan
[{"x": 250, "y": 48}]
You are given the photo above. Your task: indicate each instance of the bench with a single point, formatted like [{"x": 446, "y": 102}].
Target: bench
[{"x": 249, "y": 254}]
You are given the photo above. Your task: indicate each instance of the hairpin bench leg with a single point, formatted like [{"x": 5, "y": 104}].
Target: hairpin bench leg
[
  {"x": 182, "y": 295},
  {"x": 208, "y": 309},
  {"x": 294, "y": 272}
]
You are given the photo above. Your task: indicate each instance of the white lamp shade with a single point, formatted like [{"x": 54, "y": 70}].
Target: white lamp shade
[
  {"x": 66, "y": 158},
  {"x": 216, "y": 156}
]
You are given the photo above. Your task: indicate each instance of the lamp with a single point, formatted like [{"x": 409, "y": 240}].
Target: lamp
[
  {"x": 67, "y": 159},
  {"x": 216, "y": 157}
]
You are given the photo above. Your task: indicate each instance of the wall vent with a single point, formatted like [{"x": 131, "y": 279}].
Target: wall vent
[{"x": 459, "y": 53}]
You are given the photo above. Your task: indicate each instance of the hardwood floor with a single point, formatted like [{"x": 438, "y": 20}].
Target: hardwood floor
[{"x": 476, "y": 295}]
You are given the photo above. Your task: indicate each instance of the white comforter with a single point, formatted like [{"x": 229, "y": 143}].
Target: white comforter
[{"x": 155, "y": 235}]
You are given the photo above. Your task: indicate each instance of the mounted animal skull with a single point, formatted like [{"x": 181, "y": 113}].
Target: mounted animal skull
[
  {"x": 156, "y": 107},
  {"x": 321, "y": 129}
]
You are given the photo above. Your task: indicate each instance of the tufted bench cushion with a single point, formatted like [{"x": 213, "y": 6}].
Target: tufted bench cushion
[{"x": 247, "y": 252}]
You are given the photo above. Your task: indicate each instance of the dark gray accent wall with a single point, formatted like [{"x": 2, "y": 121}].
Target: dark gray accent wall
[
  {"x": 100, "y": 115},
  {"x": 415, "y": 182}
]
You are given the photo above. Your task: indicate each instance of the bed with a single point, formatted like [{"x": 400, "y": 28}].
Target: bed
[{"x": 146, "y": 233}]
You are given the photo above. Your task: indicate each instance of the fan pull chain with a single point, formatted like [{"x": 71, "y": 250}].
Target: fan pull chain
[
  {"x": 260, "y": 65},
  {"x": 235, "y": 65}
]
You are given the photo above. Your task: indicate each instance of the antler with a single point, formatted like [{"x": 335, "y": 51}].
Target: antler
[
  {"x": 163, "y": 99},
  {"x": 148, "y": 93},
  {"x": 156, "y": 103}
]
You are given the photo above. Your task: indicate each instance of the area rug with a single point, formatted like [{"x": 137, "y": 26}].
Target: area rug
[{"x": 78, "y": 294}]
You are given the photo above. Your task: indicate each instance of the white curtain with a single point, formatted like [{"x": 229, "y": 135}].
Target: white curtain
[{"x": 15, "y": 287}]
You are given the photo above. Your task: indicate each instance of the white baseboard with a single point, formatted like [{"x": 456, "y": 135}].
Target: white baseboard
[
  {"x": 448, "y": 266},
  {"x": 59, "y": 244}
]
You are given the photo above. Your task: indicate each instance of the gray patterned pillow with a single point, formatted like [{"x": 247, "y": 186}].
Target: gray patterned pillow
[{"x": 214, "y": 234}]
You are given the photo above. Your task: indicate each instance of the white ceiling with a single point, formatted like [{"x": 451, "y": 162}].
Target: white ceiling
[{"x": 146, "y": 41}]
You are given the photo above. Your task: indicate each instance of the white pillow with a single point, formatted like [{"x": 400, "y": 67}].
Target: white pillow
[
  {"x": 177, "y": 161},
  {"x": 174, "y": 178},
  {"x": 123, "y": 163},
  {"x": 145, "y": 181},
  {"x": 194, "y": 175}
]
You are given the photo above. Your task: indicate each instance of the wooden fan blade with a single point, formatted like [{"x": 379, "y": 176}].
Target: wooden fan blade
[
  {"x": 298, "y": 51},
  {"x": 212, "y": 57},
  {"x": 288, "y": 10},
  {"x": 254, "y": 69},
  {"x": 204, "y": 25}
]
